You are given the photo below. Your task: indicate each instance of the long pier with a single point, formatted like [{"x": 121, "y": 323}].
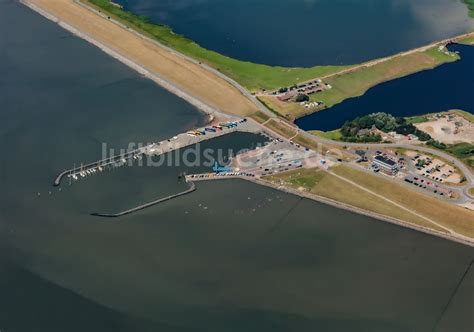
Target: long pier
[
  {"x": 154, "y": 149},
  {"x": 98, "y": 164},
  {"x": 218, "y": 176},
  {"x": 192, "y": 187}
]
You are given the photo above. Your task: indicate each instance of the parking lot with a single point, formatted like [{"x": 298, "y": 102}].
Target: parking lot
[
  {"x": 277, "y": 156},
  {"x": 430, "y": 186},
  {"x": 433, "y": 168},
  {"x": 430, "y": 174}
]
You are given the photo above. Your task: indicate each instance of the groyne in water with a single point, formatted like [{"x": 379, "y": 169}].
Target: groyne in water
[{"x": 192, "y": 187}]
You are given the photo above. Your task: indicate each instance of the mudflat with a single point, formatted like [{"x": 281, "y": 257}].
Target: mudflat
[{"x": 187, "y": 76}]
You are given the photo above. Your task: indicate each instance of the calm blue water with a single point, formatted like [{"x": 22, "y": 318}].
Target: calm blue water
[
  {"x": 308, "y": 32},
  {"x": 449, "y": 86}
]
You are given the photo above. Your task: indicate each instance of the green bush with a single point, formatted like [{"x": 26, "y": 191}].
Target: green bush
[
  {"x": 384, "y": 122},
  {"x": 437, "y": 144},
  {"x": 301, "y": 97}
]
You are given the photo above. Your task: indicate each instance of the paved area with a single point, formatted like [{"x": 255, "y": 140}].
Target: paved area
[
  {"x": 217, "y": 94},
  {"x": 219, "y": 127},
  {"x": 211, "y": 131},
  {"x": 276, "y": 157},
  {"x": 433, "y": 168},
  {"x": 432, "y": 179}
]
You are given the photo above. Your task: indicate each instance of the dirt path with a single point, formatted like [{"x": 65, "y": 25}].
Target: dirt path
[{"x": 395, "y": 203}]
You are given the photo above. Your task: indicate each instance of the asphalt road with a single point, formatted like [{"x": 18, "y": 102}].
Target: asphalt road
[{"x": 459, "y": 164}]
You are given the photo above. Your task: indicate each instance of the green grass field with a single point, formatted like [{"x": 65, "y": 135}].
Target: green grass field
[
  {"x": 464, "y": 152},
  {"x": 417, "y": 119},
  {"x": 448, "y": 215},
  {"x": 252, "y": 76},
  {"x": 424, "y": 118},
  {"x": 326, "y": 185},
  {"x": 468, "y": 116},
  {"x": 357, "y": 82},
  {"x": 282, "y": 129},
  {"x": 306, "y": 179},
  {"x": 333, "y": 134},
  {"x": 470, "y": 5},
  {"x": 467, "y": 41},
  {"x": 256, "y": 77}
]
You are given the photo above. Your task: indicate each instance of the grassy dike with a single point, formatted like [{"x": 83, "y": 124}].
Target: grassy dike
[
  {"x": 252, "y": 76},
  {"x": 470, "y": 5},
  {"x": 463, "y": 152},
  {"x": 356, "y": 83},
  {"x": 256, "y": 77},
  {"x": 467, "y": 41},
  {"x": 320, "y": 183}
]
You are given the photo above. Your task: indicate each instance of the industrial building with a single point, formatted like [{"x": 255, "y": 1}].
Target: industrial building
[{"x": 385, "y": 165}]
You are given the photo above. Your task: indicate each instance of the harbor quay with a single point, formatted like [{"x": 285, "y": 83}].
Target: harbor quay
[
  {"x": 215, "y": 129},
  {"x": 277, "y": 155}
]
